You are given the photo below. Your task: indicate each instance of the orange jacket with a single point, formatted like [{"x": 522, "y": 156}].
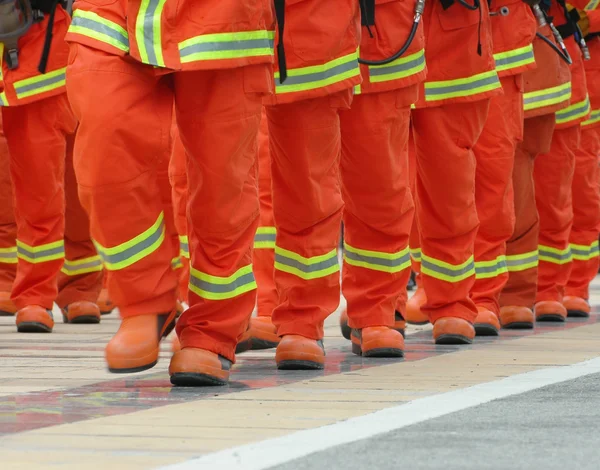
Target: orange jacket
[
  {"x": 321, "y": 39},
  {"x": 393, "y": 22},
  {"x": 592, "y": 75},
  {"x": 456, "y": 72},
  {"x": 25, "y": 84},
  {"x": 513, "y": 30},
  {"x": 178, "y": 34}
]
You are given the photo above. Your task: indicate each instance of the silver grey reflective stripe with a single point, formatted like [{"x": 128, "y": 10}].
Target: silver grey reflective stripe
[
  {"x": 41, "y": 84},
  {"x": 592, "y": 250},
  {"x": 77, "y": 267},
  {"x": 59, "y": 250},
  {"x": 387, "y": 70},
  {"x": 306, "y": 268},
  {"x": 221, "y": 46},
  {"x": 462, "y": 86},
  {"x": 222, "y": 288},
  {"x": 515, "y": 263},
  {"x": 133, "y": 250},
  {"x": 149, "y": 31},
  {"x": 184, "y": 246},
  {"x": 501, "y": 264},
  {"x": 555, "y": 256},
  {"x": 425, "y": 264},
  {"x": 264, "y": 237},
  {"x": 547, "y": 96},
  {"x": 100, "y": 28},
  {"x": 12, "y": 255},
  {"x": 572, "y": 112},
  {"x": 320, "y": 76},
  {"x": 388, "y": 263},
  {"x": 504, "y": 61}
]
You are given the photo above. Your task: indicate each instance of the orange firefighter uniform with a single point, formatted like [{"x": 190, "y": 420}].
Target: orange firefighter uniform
[
  {"x": 139, "y": 50},
  {"x": 38, "y": 126},
  {"x": 513, "y": 27},
  {"x": 553, "y": 175},
  {"x": 449, "y": 118},
  {"x": 547, "y": 89}
]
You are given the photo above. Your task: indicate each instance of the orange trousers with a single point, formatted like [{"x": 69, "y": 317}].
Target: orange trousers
[
  {"x": 522, "y": 247},
  {"x": 495, "y": 153},
  {"x": 121, "y": 158},
  {"x": 583, "y": 239},
  {"x": 37, "y": 172},
  {"x": 553, "y": 176},
  {"x": 445, "y": 203}
]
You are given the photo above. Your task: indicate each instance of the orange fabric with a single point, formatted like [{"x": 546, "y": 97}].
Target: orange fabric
[
  {"x": 594, "y": 17},
  {"x": 494, "y": 153},
  {"x": 122, "y": 179},
  {"x": 445, "y": 199},
  {"x": 317, "y": 32},
  {"x": 37, "y": 172},
  {"x": 30, "y": 52},
  {"x": 586, "y": 212},
  {"x": 452, "y": 38},
  {"x": 414, "y": 240},
  {"x": 263, "y": 259},
  {"x": 553, "y": 175},
  {"x": 305, "y": 145},
  {"x": 520, "y": 289},
  {"x": 8, "y": 225},
  {"x": 378, "y": 205}
]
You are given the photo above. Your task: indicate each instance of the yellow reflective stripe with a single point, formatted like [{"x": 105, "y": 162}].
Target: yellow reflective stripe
[
  {"x": 221, "y": 288},
  {"x": 547, "y": 97},
  {"x": 584, "y": 252},
  {"x": 522, "y": 261},
  {"x": 515, "y": 58},
  {"x": 574, "y": 112},
  {"x": 306, "y": 268},
  {"x": 319, "y": 76},
  {"x": 594, "y": 117},
  {"x": 148, "y": 32},
  {"x": 130, "y": 252},
  {"x": 489, "y": 269},
  {"x": 377, "y": 260},
  {"x": 3, "y": 100},
  {"x": 592, "y": 5},
  {"x": 265, "y": 238},
  {"x": 227, "y": 46},
  {"x": 176, "y": 263},
  {"x": 41, "y": 253},
  {"x": 415, "y": 254},
  {"x": 8, "y": 255},
  {"x": 445, "y": 271},
  {"x": 357, "y": 89},
  {"x": 555, "y": 255},
  {"x": 184, "y": 246},
  {"x": 92, "y": 25},
  {"x": 400, "y": 68},
  {"x": 40, "y": 83},
  {"x": 91, "y": 264},
  {"x": 480, "y": 83}
]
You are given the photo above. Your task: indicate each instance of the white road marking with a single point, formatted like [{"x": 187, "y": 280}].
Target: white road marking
[{"x": 271, "y": 452}]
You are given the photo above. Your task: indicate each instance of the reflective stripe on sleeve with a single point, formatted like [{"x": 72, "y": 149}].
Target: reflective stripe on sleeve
[
  {"x": 96, "y": 27},
  {"x": 40, "y": 83}
]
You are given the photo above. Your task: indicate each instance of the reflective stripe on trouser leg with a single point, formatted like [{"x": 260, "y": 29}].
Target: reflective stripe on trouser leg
[
  {"x": 184, "y": 246},
  {"x": 265, "y": 238},
  {"x": 8, "y": 255},
  {"x": 82, "y": 266}
]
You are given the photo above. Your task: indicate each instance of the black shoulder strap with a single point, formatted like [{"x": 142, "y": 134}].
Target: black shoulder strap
[{"x": 281, "y": 62}]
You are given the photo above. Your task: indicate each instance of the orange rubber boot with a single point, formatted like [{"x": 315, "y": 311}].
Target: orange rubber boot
[
  {"x": 486, "y": 323},
  {"x": 7, "y": 307},
  {"x": 194, "y": 367},
  {"x": 263, "y": 333},
  {"x": 135, "y": 346},
  {"x": 576, "y": 306},
  {"x": 34, "y": 319},
  {"x": 377, "y": 341},
  {"x": 513, "y": 317},
  {"x": 81, "y": 312},
  {"x": 399, "y": 324},
  {"x": 175, "y": 344},
  {"x": 452, "y": 330},
  {"x": 414, "y": 314},
  {"x": 296, "y": 352},
  {"x": 551, "y": 311},
  {"x": 104, "y": 303}
]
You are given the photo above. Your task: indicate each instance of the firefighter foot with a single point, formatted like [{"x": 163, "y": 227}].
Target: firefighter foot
[
  {"x": 295, "y": 352},
  {"x": 81, "y": 312},
  {"x": 414, "y": 314},
  {"x": 104, "y": 303},
  {"x": 7, "y": 307},
  {"x": 377, "y": 341},
  {"x": 263, "y": 334},
  {"x": 486, "y": 323},
  {"x": 193, "y": 367},
  {"x": 135, "y": 346},
  {"x": 399, "y": 324},
  {"x": 577, "y": 307},
  {"x": 516, "y": 318},
  {"x": 34, "y": 319},
  {"x": 550, "y": 311},
  {"x": 244, "y": 343},
  {"x": 451, "y": 330}
]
